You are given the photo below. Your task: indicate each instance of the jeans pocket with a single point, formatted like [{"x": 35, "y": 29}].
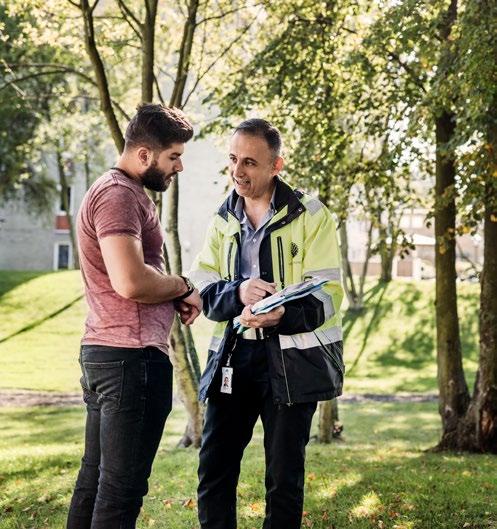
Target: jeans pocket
[{"x": 102, "y": 384}]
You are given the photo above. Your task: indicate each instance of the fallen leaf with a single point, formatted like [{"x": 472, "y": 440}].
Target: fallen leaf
[{"x": 189, "y": 503}]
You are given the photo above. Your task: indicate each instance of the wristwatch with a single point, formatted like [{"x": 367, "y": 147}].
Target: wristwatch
[{"x": 189, "y": 285}]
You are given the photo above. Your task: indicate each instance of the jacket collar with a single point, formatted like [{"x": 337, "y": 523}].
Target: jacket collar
[{"x": 284, "y": 195}]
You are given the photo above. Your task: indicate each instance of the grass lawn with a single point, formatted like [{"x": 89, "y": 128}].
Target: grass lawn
[
  {"x": 388, "y": 348},
  {"x": 380, "y": 477}
]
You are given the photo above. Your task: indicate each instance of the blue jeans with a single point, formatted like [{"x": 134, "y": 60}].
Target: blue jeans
[{"x": 128, "y": 396}]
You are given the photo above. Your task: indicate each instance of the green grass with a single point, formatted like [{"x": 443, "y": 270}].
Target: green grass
[
  {"x": 390, "y": 347},
  {"x": 379, "y": 477},
  {"x": 45, "y": 357}
]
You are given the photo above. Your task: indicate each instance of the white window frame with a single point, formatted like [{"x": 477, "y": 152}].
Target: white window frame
[{"x": 56, "y": 256}]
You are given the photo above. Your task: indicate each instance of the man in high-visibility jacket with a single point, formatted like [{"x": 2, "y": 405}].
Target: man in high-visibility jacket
[{"x": 264, "y": 237}]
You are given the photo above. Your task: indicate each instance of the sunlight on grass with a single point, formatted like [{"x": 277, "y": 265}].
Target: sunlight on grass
[
  {"x": 40, "y": 451},
  {"x": 369, "y": 505}
]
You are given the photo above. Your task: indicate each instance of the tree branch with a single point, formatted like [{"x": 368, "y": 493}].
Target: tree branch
[
  {"x": 226, "y": 13},
  {"x": 129, "y": 17},
  {"x": 100, "y": 74},
  {"x": 92, "y": 8},
  {"x": 158, "y": 90},
  {"x": 60, "y": 68},
  {"x": 414, "y": 78},
  {"x": 218, "y": 58},
  {"x": 185, "y": 55}
]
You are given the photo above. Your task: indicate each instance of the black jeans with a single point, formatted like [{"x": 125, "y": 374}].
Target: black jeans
[
  {"x": 229, "y": 423},
  {"x": 128, "y": 395}
]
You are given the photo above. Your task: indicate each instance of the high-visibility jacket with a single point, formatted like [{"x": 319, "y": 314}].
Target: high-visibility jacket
[{"x": 305, "y": 348}]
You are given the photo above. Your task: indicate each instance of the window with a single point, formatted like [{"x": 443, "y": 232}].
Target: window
[
  {"x": 62, "y": 209},
  {"x": 62, "y": 256}
]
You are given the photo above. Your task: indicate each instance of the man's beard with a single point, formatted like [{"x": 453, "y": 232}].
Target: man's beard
[{"x": 155, "y": 179}]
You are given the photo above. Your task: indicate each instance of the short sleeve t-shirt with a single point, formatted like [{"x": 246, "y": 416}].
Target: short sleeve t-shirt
[{"x": 118, "y": 205}]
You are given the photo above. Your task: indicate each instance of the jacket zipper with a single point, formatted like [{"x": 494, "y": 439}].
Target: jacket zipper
[
  {"x": 236, "y": 270},
  {"x": 229, "y": 260},
  {"x": 332, "y": 355},
  {"x": 289, "y": 403},
  {"x": 281, "y": 261}
]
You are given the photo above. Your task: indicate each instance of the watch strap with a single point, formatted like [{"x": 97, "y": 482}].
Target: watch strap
[{"x": 189, "y": 286}]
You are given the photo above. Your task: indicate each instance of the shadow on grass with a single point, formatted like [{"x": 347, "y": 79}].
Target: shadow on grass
[
  {"x": 379, "y": 474},
  {"x": 419, "y": 491},
  {"x": 40, "y": 321},
  {"x": 379, "y": 310},
  {"x": 42, "y": 426},
  {"x": 351, "y": 316},
  {"x": 10, "y": 279}
]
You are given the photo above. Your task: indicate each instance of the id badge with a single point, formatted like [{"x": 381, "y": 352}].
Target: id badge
[{"x": 227, "y": 378}]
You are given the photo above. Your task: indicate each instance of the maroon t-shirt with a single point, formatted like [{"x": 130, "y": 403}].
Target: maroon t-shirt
[{"x": 118, "y": 205}]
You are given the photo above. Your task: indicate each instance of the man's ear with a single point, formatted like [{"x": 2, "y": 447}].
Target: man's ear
[
  {"x": 144, "y": 156},
  {"x": 278, "y": 164}
]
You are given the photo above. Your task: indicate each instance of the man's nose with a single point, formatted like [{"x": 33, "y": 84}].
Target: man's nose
[
  {"x": 179, "y": 166},
  {"x": 237, "y": 169}
]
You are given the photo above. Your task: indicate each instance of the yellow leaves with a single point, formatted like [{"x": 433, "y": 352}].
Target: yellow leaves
[
  {"x": 189, "y": 503},
  {"x": 493, "y": 217},
  {"x": 257, "y": 507}
]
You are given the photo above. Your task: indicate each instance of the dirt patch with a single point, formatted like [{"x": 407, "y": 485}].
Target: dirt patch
[
  {"x": 22, "y": 398},
  {"x": 26, "y": 398}
]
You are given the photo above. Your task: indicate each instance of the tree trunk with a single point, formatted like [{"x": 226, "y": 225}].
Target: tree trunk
[
  {"x": 64, "y": 188},
  {"x": 329, "y": 426},
  {"x": 364, "y": 272},
  {"x": 387, "y": 251},
  {"x": 453, "y": 391},
  {"x": 485, "y": 399},
  {"x": 478, "y": 432},
  {"x": 185, "y": 54},
  {"x": 188, "y": 387},
  {"x": 385, "y": 257},
  {"x": 100, "y": 75},
  {"x": 148, "y": 46},
  {"x": 181, "y": 335},
  {"x": 355, "y": 297},
  {"x": 348, "y": 278}
]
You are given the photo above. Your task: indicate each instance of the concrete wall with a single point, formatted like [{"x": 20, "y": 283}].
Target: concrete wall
[{"x": 28, "y": 243}]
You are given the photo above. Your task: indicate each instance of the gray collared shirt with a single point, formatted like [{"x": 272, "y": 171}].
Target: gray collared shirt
[{"x": 251, "y": 238}]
